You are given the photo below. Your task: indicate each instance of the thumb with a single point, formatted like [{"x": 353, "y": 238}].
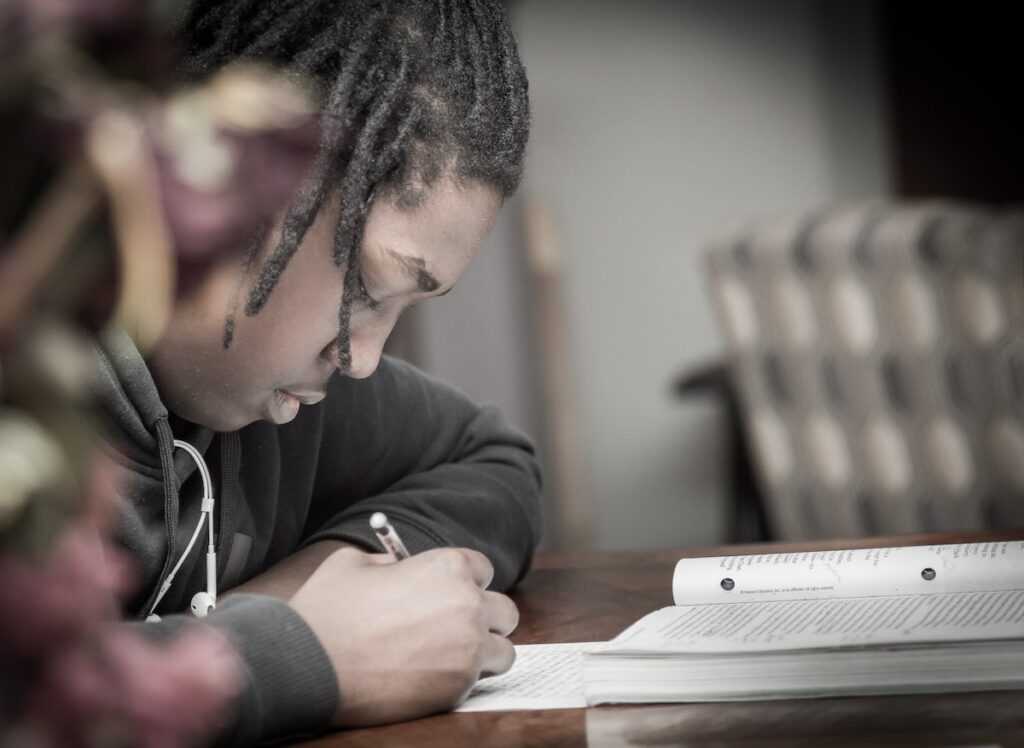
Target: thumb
[{"x": 379, "y": 559}]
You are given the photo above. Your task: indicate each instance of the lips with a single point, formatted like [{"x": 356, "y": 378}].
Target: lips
[
  {"x": 306, "y": 398},
  {"x": 283, "y": 405}
]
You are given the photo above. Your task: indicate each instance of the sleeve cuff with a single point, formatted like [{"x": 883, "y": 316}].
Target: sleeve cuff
[
  {"x": 357, "y": 530},
  {"x": 291, "y": 688}
]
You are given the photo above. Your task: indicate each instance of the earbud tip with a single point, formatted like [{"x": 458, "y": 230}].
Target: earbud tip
[{"x": 202, "y": 604}]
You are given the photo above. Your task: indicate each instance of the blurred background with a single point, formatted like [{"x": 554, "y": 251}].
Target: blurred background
[
  {"x": 764, "y": 279},
  {"x": 668, "y": 139}
]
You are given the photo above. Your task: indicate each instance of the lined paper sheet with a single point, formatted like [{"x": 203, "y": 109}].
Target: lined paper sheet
[{"x": 545, "y": 676}]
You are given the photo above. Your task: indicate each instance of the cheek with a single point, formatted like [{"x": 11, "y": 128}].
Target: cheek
[
  {"x": 301, "y": 317},
  {"x": 278, "y": 347}
]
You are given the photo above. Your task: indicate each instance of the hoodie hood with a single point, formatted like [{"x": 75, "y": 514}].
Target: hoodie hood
[
  {"x": 129, "y": 398},
  {"x": 290, "y": 684},
  {"x": 139, "y": 438}
]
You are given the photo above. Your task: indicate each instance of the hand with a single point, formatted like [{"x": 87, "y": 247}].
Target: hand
[{"x": 410, "y": 638}]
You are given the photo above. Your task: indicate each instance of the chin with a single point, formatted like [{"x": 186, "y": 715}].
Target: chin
[
  {"x": 237, "y": 423},
  {"x": 223, "y": 422}
]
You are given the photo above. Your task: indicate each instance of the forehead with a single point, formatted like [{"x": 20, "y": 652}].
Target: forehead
[{"x": 449, "y": 225}]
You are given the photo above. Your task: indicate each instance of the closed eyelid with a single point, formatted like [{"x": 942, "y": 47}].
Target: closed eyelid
[
  {"x": 365, "y": 295},
  {"x": 415, "y": 268}
]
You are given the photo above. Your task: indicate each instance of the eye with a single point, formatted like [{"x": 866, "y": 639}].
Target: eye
[{"x": 364, "y": 296}]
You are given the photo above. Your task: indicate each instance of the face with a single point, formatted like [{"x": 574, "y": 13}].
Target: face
[{"x": 282, "y": 357}]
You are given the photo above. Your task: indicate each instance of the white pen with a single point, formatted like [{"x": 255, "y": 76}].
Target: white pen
[{"x": 388, "y": 536}]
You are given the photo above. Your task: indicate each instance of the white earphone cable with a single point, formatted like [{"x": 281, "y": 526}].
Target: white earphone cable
[{"x": 206, "y": 511}]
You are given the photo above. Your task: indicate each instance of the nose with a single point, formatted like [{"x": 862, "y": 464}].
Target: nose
[{"x": 366, "y": 355}]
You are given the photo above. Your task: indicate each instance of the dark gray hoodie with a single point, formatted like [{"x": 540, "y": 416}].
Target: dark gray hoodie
[{"x": 446, "y": 472}]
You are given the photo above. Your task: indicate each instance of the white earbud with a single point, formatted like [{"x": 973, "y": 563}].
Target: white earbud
[{"x": 202, "y": 603}]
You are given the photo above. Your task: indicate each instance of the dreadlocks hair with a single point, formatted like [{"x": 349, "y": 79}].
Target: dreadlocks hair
[{"x": 411, "y": 90}]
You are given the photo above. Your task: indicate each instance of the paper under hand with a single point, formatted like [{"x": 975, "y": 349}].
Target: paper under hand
[{"x": 544, "y": 676}]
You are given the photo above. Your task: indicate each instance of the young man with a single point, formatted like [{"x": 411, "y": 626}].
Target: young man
[{"x": 305, "y": 428}]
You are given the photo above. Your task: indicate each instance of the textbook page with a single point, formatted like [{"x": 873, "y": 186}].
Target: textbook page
[
  {"x": 778, "y": 625},
  {"x": 544, "y": 676},
  {"x": 905, "y": 570}
]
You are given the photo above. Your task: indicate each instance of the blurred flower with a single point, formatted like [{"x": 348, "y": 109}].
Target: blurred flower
[
  {"x": 24, "y": 22},
  {"x": 47, "y": 447},
  {"x": 79, "y": 679},
  {"x": 29, "y": 459},
  {"x": 47, "y": 603},
  {"x": 229, "y": 155},
  {"x": 124, "y": 690},
  {"x": 108, "y": 163},
  {"x": 89, "y": 15}
]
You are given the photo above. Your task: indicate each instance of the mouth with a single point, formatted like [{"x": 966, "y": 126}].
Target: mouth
[
  {"x": 284, "y": 405},
  {"x": 311, "y": 397}
]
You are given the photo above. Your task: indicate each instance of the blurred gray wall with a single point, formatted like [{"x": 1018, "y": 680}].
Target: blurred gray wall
[{"x": 654, "y": 124}]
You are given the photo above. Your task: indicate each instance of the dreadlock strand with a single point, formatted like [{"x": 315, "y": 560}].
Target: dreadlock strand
[
  {"x": 514, "y": 85},
  {"x": 229, "y": 33},
  {"x": 350, "y": 288},
  {"x": 323, "y": 46},
  {"x": 355, "y": 180},
  {"x": 482, "y": 85},
  {"x": 440, "y": 27},
  {"x": 457, "y": 36},
  {"x": 303, "y": 211},
  {"x": 267, "y": 42},
  {"x": 297, "y": 220},
  {"x": 343, "y": 103},
  {"x": 389, "y": 157},
  {"x": 206, "y": 20},
  {"x": 258, "y": 238}
]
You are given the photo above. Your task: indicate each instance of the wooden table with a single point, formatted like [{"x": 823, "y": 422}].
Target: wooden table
[{"x": 593, "y": 596}]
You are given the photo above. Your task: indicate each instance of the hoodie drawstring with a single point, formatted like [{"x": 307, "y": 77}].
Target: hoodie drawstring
[
  {"x": 165, "y": 445},
  {"x": 230, "y": 490}
]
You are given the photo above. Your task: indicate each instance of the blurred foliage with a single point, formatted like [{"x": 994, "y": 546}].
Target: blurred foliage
[{"x": 120, "y": 188}]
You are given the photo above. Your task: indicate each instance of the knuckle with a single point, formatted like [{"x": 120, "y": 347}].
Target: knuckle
[
  {"x": 472, "y": 606},
  {"x": 483, "y": 562},
  {"x": 466, "y": 682},
  {"x": 504, "y": 613},
  {"x": 508, "y": 658},
  {"x": 453, "y": 562},
  {"x": 503, "y": 657},
  {"x": 513, "y": 615},
  {"x": 467, "y": 657}
]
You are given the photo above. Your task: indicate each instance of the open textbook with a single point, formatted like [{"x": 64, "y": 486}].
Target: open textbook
[
  {"x": 796, "y": 625},
  {"x": 791, "y": 625}
]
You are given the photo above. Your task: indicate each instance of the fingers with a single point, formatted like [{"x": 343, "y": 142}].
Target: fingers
[
  {"x": 460, "y": 563},
  {"x": 347, "y": 554},
  {"x": 502, "y": 617},
  {"x": 379, "y": 559},
  {"x": 500, "y": 656},
  {"x": 500, "y": 614},
  {"x": 479, "y": 566}
]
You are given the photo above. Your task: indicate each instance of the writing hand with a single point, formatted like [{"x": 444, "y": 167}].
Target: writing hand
[{"x": 407, "y": 639}]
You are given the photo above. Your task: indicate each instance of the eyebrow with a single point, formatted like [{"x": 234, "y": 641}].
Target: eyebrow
[{"x": 416, "y": 269}]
